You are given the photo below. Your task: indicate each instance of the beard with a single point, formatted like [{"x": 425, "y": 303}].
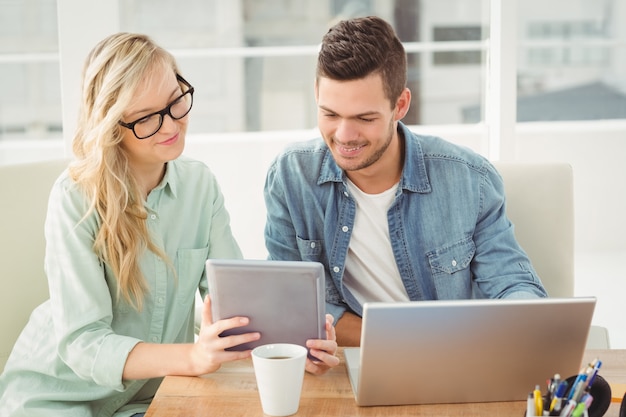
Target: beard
[{"x": 357, "y": 163}]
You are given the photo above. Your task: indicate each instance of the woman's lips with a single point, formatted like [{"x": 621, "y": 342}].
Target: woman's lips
[{"x": 169, "y": 141}]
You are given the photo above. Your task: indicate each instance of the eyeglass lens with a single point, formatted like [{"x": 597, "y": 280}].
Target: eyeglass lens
[{"x": 178, "y": 109}]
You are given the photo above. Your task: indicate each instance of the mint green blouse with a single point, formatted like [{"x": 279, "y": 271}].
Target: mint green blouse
[{"x": 68, "y": 361}]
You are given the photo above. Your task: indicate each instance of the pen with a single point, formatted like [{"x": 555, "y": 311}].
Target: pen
[
  {"x": 576, "y": 385},
  {"x": 555, "y": 405},
  {"x": 530, "y": 405},
  {"x": 538, "y": 401},
  {"x": 554, "y": 383},
  {"x": 579, "y": 388},
  {"x": 590, "y": 379},
  {"x": 579, "y": 410},
  {"x": 587, "y": 399},
  {"x": 567, "y": 410}
]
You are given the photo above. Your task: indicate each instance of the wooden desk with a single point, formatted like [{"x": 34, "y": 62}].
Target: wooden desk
[{"x": 232, "y": 392}]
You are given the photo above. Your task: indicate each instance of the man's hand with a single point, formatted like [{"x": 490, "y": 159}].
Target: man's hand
[{"x": 348, "y": 329}]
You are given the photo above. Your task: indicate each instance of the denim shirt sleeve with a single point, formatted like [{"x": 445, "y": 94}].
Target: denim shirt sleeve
[
  {"x": 501, "y": 268},
  {"x": 301, "y": 217},
  {"x": 280, "y": 233}
]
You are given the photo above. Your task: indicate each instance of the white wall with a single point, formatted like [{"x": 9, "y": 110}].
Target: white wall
[{"x": 596, "y": 152}]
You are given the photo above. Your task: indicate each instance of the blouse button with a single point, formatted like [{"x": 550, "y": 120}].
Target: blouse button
[
  {"x": 344, "y": 228},
  {"x": 454, "y": 262},
  {"x": 153, "y": 216},
  {"x": 312, "y": 245},
  {"x": 336, "y": 269}
]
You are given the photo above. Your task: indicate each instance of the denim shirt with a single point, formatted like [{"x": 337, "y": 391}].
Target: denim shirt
[{"x": 449, "y": 232}]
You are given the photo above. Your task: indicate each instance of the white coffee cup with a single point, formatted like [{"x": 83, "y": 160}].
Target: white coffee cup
[{"x": 279, "y": 371}]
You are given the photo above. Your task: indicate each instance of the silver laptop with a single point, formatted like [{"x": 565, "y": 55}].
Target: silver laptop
[{"x": 461, "y": 351}]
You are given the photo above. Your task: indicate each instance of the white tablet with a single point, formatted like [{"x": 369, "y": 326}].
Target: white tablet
[{"x": 283, "y": 299}]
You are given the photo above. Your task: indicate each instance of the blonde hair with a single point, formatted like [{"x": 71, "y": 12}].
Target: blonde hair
[{"x": 113, "y": 71}]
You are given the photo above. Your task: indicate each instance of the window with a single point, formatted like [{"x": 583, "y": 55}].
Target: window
[
  {"x": 30, "y": 103},
  {"x": 457, "y": 33},
  {"x": 571, "y": 66},
  {"x": 258, "y": 58}
]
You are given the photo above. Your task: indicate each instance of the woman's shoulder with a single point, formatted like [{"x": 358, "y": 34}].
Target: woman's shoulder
[{"x": 186, "y": 165}]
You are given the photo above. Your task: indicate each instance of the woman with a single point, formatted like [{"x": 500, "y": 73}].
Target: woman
[{"x": 130, "y": 225}]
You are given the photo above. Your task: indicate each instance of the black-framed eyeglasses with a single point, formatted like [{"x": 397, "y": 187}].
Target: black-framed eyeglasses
[{"x": 148, "y": 125}]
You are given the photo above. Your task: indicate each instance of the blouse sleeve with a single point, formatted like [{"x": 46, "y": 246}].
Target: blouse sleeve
[{"x": 80, "y": 298}]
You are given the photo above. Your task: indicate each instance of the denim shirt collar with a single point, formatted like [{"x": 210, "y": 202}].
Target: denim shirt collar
[{"x": 414, "y": 174}]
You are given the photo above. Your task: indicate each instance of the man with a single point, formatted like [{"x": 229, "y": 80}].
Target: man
[{"x": 393, "y": 216}]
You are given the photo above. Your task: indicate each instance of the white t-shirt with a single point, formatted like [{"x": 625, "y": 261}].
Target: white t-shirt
[{"x": 371, "y": 272}]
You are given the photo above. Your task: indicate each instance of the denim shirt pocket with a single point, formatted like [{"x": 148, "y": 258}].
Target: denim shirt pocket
[
  {"x": 191, "y": 263},
  {"x": 310, "y": 250},
  {"x": 452, "y": 258}
]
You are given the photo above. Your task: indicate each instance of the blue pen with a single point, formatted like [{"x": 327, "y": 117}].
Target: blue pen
[
  {"x": 596, "y": 368},
  {"x": 580, "y": 379},
  {"x": 558, "y": 397},
  {"x": 579, "y": 389}
]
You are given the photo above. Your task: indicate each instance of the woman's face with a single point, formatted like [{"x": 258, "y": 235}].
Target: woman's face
[{"x": 155, "y": 93}]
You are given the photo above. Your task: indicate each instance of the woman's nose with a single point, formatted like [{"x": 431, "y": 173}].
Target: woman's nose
[{"x": 169, "y": 124}]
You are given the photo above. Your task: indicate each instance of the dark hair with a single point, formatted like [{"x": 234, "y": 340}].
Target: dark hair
[{"x": 356, "y": 48}]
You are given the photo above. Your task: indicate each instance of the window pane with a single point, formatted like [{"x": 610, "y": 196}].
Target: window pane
[
  {"x": 451, "y": 86},
  {"x": 457, "y": 33},
  {"x": 572, "y": 60},
  {"x": 30, "y": 103}
]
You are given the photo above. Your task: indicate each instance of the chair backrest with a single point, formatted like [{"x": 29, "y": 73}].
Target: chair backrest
[
  {"x": 540, "y": 203},
  {"x": 25, "y": 189}
]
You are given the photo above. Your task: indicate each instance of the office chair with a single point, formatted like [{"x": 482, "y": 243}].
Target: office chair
[
  {"x": 540, "y": 203},
  {"x": 24, "y": 189}
]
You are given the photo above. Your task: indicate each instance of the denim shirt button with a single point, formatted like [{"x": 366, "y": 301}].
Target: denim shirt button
[
  {"x": 336, "y": 269},
  {"x": 344, "y": 228},
  {"x": 454, "y": 262},
  {"x": 312, "y": 245}
]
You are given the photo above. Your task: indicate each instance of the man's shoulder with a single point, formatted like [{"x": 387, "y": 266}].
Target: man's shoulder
[
  {"x": 436, "y": 148},
  {"x": 315, "y": 145},
  {"x": 309, "y": 152}
]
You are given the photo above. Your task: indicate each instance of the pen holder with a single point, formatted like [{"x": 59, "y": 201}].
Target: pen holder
[{"x": 601, "y": 393}]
